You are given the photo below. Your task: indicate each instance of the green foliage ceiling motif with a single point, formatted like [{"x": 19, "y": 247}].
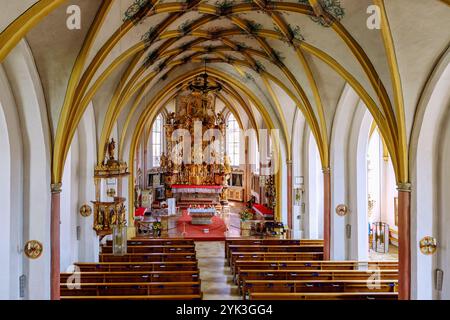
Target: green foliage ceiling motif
[{"x": 333, "y": 7}]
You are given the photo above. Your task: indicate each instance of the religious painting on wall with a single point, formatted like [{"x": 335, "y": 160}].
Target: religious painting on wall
[
  {"x": 150, "y": 180},
  {"x": 237, "y": 180},
  {"x": 262, "y": 181},
  {"x": 396, "y": 211},
  {"x": 156, "y": 180},
  {"x": 160, "y": 193},
  {"x": 147, "y": 198},
  {"x": 298, "y": 193}
]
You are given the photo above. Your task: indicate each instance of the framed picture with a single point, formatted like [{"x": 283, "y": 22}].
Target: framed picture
[
  {"x": 299, "y": 180},
  {"x": 156, "y": 179},
  {"x": 237, "y": 180},
  {"x": 396, "y": 211},
  {"x": 147, "y": 198},
  {"x": 298, "y": 196},
  {"x": 150, "y": 180},
  {"x": 262, "y": 181},
  {"x": 160, "y": 193}
]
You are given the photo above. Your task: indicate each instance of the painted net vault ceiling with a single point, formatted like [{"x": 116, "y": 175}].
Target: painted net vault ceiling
[{"x": 286, "y": 56}]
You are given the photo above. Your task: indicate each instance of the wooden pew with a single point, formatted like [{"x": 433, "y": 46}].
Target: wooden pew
[
  {"x": 231, "y": 241},
  {"x": 132, "y": 289},
  {"x": 274, "y": 256},
  {"x": 275, "y": 248},
  {"x": 325, "y": 296},
  {"x": 313, "y": 265},
  {"x": 302, "y": 286},
  {"x": 180, "y": 297},
  {"x": 156, "y": 241},
  {"x": 137, "y": 276},
  {"x": 246, "y": 275},
  {"x": 148, "y": 257},
  {"x": 154, "y": 249},
  {"x": 138, "y": 266}
]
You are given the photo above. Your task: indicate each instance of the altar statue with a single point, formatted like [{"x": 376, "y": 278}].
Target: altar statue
[
  {"x": 163, "y": 162},
  {"x": 111, "y": 148},
  {"x": 170, "y": 118},
  {"x": 220, "y": 118},
  {"x": 227, "y": 165}
]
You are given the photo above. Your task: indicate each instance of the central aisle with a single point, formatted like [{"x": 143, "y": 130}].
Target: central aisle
[{"x": 217, "y": 281}]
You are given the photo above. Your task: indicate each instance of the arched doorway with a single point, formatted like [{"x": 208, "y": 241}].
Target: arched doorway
[{"x": 382, "y": 199}]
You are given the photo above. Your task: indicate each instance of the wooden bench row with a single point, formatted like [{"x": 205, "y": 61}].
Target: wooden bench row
[
  {"x": 152, "y": 269},
  {"x": 313, "y": 265},
  {"x": 148, "y": 257},
  {"x": 324, "y": 286},
  {"x": 259, "y": 242},
  {"x": 137, "y": 276},
  {"x": 179, "y": 297},
  {"x": 246, "y": 275},
  {"x": 138, "y": 266},
  {"x": 131, "y": 289},
  {"x": 188, "y": 248},
  {"x": 274, "y": 256},
  {"x": 325, "y": 296},
  {"x": 156, "y": 241},
  {"x": 273, "y": 248}
]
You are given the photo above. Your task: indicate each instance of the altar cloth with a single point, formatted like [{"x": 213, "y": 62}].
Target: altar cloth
[
  {"x": 181, "y": 188},
  {"x": 263, "y": 210}
]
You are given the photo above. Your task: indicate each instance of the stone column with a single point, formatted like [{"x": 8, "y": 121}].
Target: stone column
[
  {"x": 55, "y": 241},
  {"x": 327, "y": 213},
  {"x": 290, "y": 192},
  {"x": 404, "y": 241}
]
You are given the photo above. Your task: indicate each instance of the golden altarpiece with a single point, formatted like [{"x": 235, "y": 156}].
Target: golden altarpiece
[{"x": 196, "y": 161}]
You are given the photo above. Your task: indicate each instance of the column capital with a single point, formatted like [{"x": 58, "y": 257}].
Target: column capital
[
  {"x": 404, "y": 187},
  {"x": 56, "y": 188}
]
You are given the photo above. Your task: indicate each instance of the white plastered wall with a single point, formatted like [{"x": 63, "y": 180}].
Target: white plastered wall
[{"x": 35, "y": 133}]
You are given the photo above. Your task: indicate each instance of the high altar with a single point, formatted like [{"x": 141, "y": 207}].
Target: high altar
[{"x": 196, "y": 168}]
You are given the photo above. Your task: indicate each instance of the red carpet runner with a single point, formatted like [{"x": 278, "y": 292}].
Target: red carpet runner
[{"x": 216, "y": 230}]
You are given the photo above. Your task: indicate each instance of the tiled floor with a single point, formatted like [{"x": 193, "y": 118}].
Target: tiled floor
[
  {"x": 391, "y": 255},
  {"x": 215, "y": 275}
]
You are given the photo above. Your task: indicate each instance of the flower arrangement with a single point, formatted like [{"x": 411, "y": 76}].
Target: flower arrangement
[
  {"x": 246, "y": 215},
  {"x": 156, "y": 227}
]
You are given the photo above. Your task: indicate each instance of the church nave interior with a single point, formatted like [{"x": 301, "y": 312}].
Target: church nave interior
[{"x": 224, "y": 150}]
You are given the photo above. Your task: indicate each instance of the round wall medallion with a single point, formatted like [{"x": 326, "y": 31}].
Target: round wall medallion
[
  {"x": 85, "y": 210},
  {"x": 33, "y": 249},
  {"x": 428, "y": 245},
  {"x": 341, "y": 210}
]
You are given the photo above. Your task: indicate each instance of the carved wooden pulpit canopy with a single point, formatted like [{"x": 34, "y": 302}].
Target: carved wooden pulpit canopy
[{"x": 109, "y": 205}]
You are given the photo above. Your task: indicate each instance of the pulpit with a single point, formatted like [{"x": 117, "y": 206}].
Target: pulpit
[{"x": 109, "y": 206}]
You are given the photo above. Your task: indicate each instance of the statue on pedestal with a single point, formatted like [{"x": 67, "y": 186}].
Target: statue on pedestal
[{"x": 111, "y": 148}]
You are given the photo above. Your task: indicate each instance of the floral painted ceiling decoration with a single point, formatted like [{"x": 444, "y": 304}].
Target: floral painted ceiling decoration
[
  {"x": 333, "y": 7},
  {"x": 133, "y": 13}
]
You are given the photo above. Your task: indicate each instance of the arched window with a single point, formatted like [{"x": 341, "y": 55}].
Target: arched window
[
  {"x": 233, "y": 140},
  {"x": 257, "y": 160},
  {"x": 157, "y": 135}
]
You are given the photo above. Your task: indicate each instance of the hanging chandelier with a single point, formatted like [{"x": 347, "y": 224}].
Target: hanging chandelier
[{"x": 203, "y": 84}]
